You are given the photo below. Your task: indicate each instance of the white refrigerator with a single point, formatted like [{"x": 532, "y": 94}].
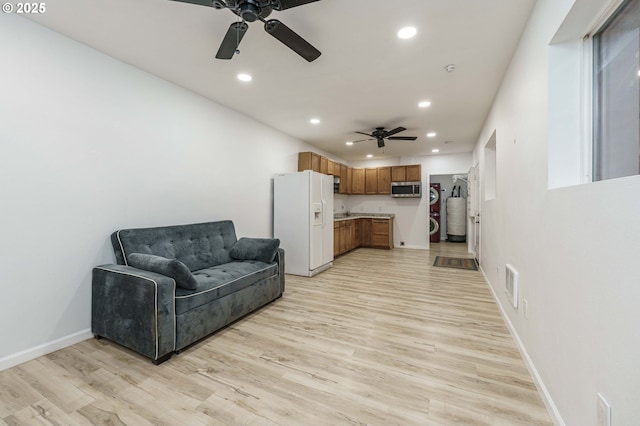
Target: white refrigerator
[{"x": 303, "y": 221}]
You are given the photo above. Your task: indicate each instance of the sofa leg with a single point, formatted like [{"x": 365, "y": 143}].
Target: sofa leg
[{"x": 162, "y": 359}]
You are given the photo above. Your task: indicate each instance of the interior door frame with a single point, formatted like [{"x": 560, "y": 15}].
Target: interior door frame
[{"x": 474, "y": 211}]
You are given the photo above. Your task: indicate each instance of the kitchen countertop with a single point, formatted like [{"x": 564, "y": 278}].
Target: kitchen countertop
[{"x": 347, "y": 216}]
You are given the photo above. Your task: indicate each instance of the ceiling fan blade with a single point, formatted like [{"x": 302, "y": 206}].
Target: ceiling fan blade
[
  {"x": 292, "y": 40},
  {"x": 366, "y": 134},
  {"x": 288, "y": 4},
  {"x": 394, "y": 131},
  {"x": 199, "y": 2},
  {"x": 403, "y": 138},
  {"x": 364, "y": 140},
  {"x": 231, "y": 40}
]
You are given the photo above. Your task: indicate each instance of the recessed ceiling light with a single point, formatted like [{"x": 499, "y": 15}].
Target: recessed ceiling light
[
  {"x": 407, "y": 32},
  {"x": 349, "y": 143},
  {"x": 424, "y": 104},
  {"x": 244, "y": 77},
  {"x": 431, "y": 134},
  {"x": 369, "y": 155},
  {"x": 435, "y": 150},
  {"x": 314, "y": 121}
]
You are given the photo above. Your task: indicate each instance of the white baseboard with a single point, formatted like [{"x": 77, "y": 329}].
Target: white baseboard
[
  {"x": 46, "y": 348},
  {"x": 411, "y": 247},
  {"x": 552, "y": 409}
]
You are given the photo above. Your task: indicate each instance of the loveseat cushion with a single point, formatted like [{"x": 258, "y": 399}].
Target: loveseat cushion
[
  {"x": 161, "y": 265},
  {"x": 221, "y": 280},
  {"x": 198, "y": 245},
  {"x": 260, "y": 249}
]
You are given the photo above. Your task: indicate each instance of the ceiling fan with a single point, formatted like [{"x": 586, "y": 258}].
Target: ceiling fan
[
  {"x": 252, "y": 10},
  {"x": 380, "y": 134}
]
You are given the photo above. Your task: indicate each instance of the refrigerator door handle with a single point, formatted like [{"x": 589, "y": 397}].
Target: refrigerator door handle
[{"x": 324, "y": 211}]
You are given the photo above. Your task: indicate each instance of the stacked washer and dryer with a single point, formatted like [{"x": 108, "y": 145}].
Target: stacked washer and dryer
[
  {"x": 456, "y": 213},
  {"x": 434, "y": 213}
]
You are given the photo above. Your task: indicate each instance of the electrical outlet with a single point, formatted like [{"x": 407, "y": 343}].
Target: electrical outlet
[
  {"x": 525, "y": 308},
  {"x": 402, "y": 243},
  {"x": 604, "y": 411}
]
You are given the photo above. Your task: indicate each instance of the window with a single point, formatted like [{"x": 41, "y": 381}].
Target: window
[{"x": 616, "y": 94}]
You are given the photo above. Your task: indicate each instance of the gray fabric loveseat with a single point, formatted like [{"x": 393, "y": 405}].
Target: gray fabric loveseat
[{"x": 174, "y": 285}]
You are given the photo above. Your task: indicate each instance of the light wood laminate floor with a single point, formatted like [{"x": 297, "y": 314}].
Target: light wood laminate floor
[{"x": 382, "y": 338}]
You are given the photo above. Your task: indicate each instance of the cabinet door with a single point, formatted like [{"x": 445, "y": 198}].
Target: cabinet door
[
  {"x": 414, "y": 173},
  {"x": 398, "y": 174},
  {"x": 304, "y": 161},
  {"x": 349, "y": 180},
  {"x": 357, "y": 231},
  {"x": 344, "y": 236},
  {"x": 370, "y": 181},
  {"x": 336, "y": 239},
  {"x": 365, "y": 232},
  {"x": 357, "y": 182},
  {"x": 315, "y": 162},
  {"x": 352, "y": 235},
  {"x": 343, "y": 179},
  {"x": 324, "y": 165},
  {"x": 384, "y": 180},
  {"x": 331, "y": 167}
]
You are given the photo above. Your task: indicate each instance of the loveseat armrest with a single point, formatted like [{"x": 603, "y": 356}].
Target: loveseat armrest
[
  {"x": 134, "y": 308},
  {"x": 280, "y": 262}
]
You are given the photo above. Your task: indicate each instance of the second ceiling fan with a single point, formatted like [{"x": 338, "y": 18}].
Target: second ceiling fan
[
  {"x": 253, "y": 10},
  {"x": 380, "y": 134}
]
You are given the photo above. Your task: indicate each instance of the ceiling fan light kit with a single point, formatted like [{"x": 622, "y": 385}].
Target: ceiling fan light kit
[{"x": 254, "y": 10}]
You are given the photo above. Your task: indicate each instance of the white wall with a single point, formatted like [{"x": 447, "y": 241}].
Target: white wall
[
  {"x": 90, "y": 145},
  {"x": 576, "y": 248},
  {"x": 411, "y": 223}
]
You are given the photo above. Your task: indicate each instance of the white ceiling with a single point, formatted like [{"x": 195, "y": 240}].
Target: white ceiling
[{"x": 365, "y": 78}]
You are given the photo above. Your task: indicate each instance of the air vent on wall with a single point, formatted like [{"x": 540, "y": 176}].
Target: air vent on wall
[{"x": 511, "y": 285}]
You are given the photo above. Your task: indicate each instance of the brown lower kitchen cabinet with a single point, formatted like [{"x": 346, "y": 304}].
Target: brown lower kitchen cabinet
[
  {"x": 382, "y": 233},
  {"x": 362, "y": 232}
]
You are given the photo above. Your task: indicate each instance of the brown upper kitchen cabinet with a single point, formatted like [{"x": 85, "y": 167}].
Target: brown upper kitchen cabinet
[
  {"x": 324, "y": 165},
  {"x": 308, "y": 161},
  {"x": 384, "y": 180},
  {"x": 399, "y": 174},
  {"x": 343, "y": 179},
  {"x": 357, "y": 182},
  {"x": 331, "y": 167},
  {"x": 371, "y": 181},
  {"x": 414, "y": 173},
  {"x": 349, "y": 179},
  {"x": 410, "y": 173}
]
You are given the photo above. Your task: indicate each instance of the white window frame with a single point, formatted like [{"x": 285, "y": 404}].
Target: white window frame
[{"x": 588, "y": 89}]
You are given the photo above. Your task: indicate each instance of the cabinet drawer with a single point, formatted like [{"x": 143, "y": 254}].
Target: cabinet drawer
[
  {"x": 380, "y": 227},
  {"x": 380, "y": 240}
]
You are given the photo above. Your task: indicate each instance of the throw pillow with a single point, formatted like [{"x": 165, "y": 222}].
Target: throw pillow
[
  {"x": 261, "y": 249},
  {"x": 170, "y": 267}
]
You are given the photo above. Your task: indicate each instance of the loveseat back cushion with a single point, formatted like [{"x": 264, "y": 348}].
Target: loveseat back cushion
[
  {"x": 161, "y": 265},
  {"x": 260, "y": 249},
  {"x": 198, "y": 246}
]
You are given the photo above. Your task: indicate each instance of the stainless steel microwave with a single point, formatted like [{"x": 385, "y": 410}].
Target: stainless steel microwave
[{"x": 406, "y": 189}]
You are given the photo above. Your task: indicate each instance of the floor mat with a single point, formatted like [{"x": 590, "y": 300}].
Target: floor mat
[{"x": 456, "y": 262}]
